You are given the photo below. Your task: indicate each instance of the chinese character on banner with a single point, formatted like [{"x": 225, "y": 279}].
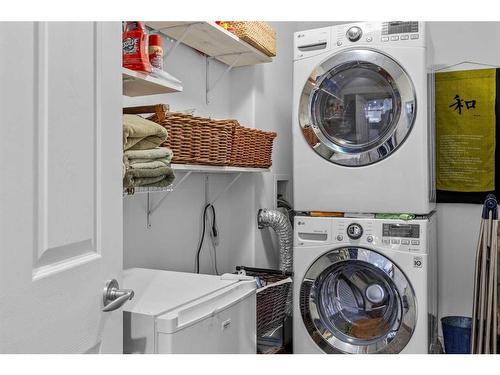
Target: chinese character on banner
[{"x": 457, "y": 105}]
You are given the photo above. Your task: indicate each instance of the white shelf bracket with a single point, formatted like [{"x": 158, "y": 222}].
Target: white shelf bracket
[
  {"x": 178, "y": 41},
  {"x": 228, "y": 186},
  {"x": 208, "y": 86},
  {"x": 151, "y": 209}
]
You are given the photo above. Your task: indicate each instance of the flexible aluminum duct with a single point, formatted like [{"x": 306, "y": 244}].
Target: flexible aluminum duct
[{"x": 279, "y": 221}]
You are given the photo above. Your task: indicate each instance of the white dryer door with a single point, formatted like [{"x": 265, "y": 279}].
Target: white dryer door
[
  {"x": 355, "y": 300},
  {"x": 357, "y": 107}
]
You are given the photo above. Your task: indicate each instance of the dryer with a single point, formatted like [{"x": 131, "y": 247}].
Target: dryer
[
  {"x": 365, "y": 286},
  {"x": 363, "y": 135}
]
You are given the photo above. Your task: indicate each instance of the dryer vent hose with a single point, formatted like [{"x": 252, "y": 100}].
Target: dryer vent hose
[{"x": 280, "y": 223}]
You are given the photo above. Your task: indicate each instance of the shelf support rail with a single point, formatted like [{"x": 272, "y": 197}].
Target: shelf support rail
[
  {"x": 180, "y": 40},
  {"x": 209, "y": 87},
  {"x": 228, "y": 186},
  {"x": 150, "y": 209}
]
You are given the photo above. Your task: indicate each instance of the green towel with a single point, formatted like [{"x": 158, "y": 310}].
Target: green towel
[
  {"x": 146, "y": 164},
  {"x": 164, "y": 182},
  {"x": 154, "y": 174},
  {"x": 395, "y": 216},
  {"x": 149, "y": 154},
  {"x": 141, "y": 134}
]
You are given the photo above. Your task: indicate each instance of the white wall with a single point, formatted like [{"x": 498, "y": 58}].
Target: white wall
[{"x": 258, "y": 96}]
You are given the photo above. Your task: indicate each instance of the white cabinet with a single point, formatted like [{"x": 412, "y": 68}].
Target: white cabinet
[{"x": 177, "y": 312}]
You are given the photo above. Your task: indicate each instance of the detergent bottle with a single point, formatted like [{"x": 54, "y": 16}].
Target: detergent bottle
[{"x": 134, "y": 47}]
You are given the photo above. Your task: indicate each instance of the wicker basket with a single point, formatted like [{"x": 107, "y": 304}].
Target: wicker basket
[
  {"x": 199, "y": 140},
  {"x": 258, "y": 34},
  {"x": 252, "y": 148},
  {"x": 272, "y": 297}
]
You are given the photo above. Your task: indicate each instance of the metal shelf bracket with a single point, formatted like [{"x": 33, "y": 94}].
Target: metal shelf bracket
[
  {"x": 178, "y": 41},
  {"x": 150, "y": 209},
  {"x": 210, "y": 86},
  {"x": 227, "y": 187}
]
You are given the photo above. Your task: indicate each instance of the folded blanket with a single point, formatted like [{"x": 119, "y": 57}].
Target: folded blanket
[{"x": 141, "y": 134}]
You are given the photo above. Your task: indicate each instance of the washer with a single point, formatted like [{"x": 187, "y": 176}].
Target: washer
[
  {"x": 365, "y": 286},
  {"x": 362, "y": 132}
]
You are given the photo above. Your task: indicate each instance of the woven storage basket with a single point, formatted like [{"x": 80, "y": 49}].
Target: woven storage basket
[
  {"x": 252, "y": 148},
  {"x": 199, "y": 140},
  {"x": 258, "y": 34}
]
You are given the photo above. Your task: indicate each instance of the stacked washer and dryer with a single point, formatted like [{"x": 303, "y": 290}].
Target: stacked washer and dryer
[{"x": 363, "y": 143}]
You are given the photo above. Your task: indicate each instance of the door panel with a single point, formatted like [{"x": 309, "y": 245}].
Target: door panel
[
  {"x": 68, "y": 170},
  {"x": 355, "y": 300},
  {"x": 61, "y": 224},
  {"x": 357, "y": 107}
]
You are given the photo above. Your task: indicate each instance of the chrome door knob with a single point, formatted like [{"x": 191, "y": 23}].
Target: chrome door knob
[{"x": 114, "y": 297}]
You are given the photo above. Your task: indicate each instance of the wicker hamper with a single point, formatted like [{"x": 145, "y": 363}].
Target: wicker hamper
[{"x": 258, "y": 34}]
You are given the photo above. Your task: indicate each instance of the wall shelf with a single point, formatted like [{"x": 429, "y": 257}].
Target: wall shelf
[
  {"x": 142, "y": 190},
  {"x": 215, "y": 169},
  {"x": 141, "y": 84},
  {"x": 212, "y": 40},
  {"x": 189, "y": 169}
]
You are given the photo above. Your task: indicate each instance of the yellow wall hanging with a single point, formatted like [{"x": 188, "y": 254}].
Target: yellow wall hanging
[{"x": 466, "y": 132}]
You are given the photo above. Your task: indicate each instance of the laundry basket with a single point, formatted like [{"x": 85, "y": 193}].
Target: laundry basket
[
  {"x": 457, "y": 334},
  {"x": 273, "y": 288}
]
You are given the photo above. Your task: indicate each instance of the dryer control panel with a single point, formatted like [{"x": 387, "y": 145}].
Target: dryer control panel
[
  {"x": 314, "y": 42},
  {"x": 395, "y": 33}
]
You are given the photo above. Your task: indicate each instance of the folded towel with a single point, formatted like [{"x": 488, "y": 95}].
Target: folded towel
[
  {"x": 153, "y": 171},
  {"x": 150, "y": 173},
  {"x": 144, "y": 156},
  {"x": 148, "y": 164},
  {"x": 163, "y": 181},
  {"x": 153, "y": 153},
  {"x": 140, "y": 134}
]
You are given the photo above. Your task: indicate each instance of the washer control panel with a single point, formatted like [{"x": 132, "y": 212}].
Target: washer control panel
[
  {"x": 380, "y": 234},
  {"x": 383, "y": 234}
]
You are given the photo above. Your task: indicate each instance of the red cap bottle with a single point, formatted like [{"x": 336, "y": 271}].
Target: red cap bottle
[{"x": 156, "y": 51}]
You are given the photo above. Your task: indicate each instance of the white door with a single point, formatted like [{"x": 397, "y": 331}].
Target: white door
[{"x": 60, "y": 186}]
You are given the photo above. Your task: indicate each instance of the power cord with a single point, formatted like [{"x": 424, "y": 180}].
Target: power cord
[{"x": 214, "y": 234}]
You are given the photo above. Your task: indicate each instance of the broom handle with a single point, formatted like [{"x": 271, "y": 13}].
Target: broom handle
[
  {"x": 475, "y": 300},
  {"x": 482, "y": 293}
]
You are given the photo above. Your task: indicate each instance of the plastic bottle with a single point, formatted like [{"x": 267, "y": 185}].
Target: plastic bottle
[
  {"x": 156, "y": 51},
  {"x": 134, "y": 44}
]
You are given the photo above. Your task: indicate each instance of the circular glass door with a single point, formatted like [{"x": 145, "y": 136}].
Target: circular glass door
[
  {"x": 357, "y": 107},
  {"x": 355, "y": 300}
]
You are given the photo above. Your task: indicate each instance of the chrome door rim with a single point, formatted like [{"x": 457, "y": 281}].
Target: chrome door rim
[
  {"x": 333, "y": 342},
  {"x": 339, "y": 152}
]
